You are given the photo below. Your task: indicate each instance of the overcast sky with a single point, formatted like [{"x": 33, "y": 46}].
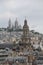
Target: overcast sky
[{"x": 31, "y": 9}]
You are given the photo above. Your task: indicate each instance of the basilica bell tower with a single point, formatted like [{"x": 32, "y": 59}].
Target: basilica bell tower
[
  {"x": 25, "y": 38},
  {"x": 25, "y": 29}
]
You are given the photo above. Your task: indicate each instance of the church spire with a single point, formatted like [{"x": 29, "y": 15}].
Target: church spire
[
  {"x": 25, "y": 28},
  {"x": 25, "y": 31},
  {"x": 25, "y": 22}
]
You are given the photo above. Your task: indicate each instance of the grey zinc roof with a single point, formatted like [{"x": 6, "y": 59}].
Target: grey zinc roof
[
  {"x": 14, "y": 59},
  {"x": 31, "y": 52},
  {"x": 39, "y": 61},
  {"x": 8, "y": 45}
]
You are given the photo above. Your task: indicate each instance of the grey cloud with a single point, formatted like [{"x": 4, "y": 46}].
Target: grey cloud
[{"x": 32, "y": 9}]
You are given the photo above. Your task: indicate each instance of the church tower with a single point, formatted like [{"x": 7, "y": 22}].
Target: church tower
[
  {"x": 16, "y": 24},
  {"x": 25, "y": 29},
  {"x": 25, "y": 37},
  {"x": 9, "y": 24}
]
